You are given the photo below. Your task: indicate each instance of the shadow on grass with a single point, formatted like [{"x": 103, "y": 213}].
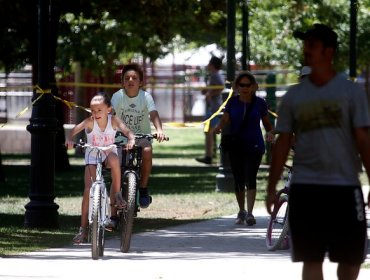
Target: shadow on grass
[
  {"x": 163, "y": 180},
  {"x": 26, "y": 239}
]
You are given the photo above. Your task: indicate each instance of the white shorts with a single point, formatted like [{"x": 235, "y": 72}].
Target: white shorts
[{"x": 91, "y": 155}]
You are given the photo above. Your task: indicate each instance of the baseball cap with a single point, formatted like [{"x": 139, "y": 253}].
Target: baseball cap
[
  {"x": 320, "y": 32},
  {"x": 306, "y": 70}
]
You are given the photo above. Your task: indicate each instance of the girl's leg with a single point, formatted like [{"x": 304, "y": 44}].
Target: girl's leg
[{"x": 89, "y": 178}]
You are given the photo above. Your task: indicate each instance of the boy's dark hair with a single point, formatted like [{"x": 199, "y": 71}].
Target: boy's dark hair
[
  {"x": 216, "y": 62},
  {"x": 133, "y": 67},
  {"x": 106, "y": 98}
]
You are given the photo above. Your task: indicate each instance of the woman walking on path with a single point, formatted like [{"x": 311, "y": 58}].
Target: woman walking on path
[{"x": 244, "y": 112}]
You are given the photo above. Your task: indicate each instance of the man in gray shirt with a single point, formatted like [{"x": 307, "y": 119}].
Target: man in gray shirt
[
  {"x": 213, "y": 103},
  {"x": 328, "y": 116}
]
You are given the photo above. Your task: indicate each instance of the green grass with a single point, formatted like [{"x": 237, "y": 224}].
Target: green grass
[{"x": 183, "y": 191}]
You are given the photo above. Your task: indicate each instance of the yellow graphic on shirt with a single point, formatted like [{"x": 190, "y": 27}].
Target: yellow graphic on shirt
[{"x": 319, "y": 114}]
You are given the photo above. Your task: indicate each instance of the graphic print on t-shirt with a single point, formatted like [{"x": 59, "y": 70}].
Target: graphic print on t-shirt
[
  {"x": 132, "y": 117},
  {"x": 319, "y": 114}
]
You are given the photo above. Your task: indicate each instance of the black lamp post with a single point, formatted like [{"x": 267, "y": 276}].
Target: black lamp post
[
  {"x": 352, "y": 41},
  {"x": 42, "y": 211},
  {"x": 245, "y": 36},
  {"x": 224, "y": 178}
]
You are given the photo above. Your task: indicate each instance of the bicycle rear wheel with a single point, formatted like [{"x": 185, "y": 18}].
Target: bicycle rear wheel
[
  {"x": 127, "y": 217},
  {"x": 97, "y": 241},
  {"x": 277, "y": 229}
]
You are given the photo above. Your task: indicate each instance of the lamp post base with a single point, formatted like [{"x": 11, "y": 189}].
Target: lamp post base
[
  {"x": 41, "y": 214},
  {"x": 224, "y": 180}
]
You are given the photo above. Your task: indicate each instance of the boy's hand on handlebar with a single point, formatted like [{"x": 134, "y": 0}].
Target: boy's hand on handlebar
[{"x": 161, "y": 137}]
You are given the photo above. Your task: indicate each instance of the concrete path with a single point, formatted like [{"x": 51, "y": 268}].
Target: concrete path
[{"x": 214, "y": 249}]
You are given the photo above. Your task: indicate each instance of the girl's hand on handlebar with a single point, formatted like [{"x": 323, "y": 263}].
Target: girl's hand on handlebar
[
  {"x": 69, "y": 144},
  {"x": 130, "y": 144}
]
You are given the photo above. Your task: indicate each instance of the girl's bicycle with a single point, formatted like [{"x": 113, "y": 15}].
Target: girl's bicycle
[
  {"x": 131, "y": 165},
  {"x": 277, "y": 235},
  {"x": 98, "y": 203}
]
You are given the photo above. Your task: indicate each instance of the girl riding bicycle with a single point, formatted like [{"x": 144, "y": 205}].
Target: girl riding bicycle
[{"x": 100, "y": 129}]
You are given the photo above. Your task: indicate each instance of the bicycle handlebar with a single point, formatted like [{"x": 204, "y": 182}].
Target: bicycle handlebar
[
  {"x": 288, "y": 166},
  {"x": 149, "y": 137},
  {"x": 87, "y": 145}
]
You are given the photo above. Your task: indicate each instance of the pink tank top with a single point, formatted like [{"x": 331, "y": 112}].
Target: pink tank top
[{"x": 101, "y": 138}]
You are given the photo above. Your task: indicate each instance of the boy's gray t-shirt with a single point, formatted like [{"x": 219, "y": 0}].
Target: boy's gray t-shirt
[
  {"x": 322, "y": 119},
  {"x": 134, "y": 111}
]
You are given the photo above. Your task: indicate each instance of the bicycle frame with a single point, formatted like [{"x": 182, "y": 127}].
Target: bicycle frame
[
  {"x": 99, "y": 183},
  {"x": 277, "y": 235},
  {"x": 98, "y": 204}
]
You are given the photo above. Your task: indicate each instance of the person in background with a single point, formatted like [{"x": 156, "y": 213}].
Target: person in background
[
  {"x": 305, "y": 71},
  {"x": 136, "y": 108},
  {"x": 329, "y": 118},
  {"x": 244, "y": 113},
  {"x": 213, "y": 103},
  {"x": 100, "y": 131}
]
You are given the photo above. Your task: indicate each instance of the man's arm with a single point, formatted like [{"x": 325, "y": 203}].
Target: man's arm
[
  {"x": 362, "y": 138},
  {"x": 279, "y": 156}
]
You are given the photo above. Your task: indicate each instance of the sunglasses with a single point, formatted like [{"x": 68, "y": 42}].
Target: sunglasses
[{"x": 242, "y": 85}]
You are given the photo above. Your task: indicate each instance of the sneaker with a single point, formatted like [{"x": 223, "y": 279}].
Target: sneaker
[
  {"x": 81, "y": 236},
  {"x": 206, "y": 160},
  {"x": 241, "y": 217},
  {"x": 145, "y": 199},
  {"x": 250, "y": 220},
  {"x": 111, "y": 224},
  {"x": 120, "y": 203}
]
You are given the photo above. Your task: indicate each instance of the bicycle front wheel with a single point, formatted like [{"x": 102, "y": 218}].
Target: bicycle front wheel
[
  {"x": 277, "y": 229},
  {"x": 127, "y": 217},
  {"x": 96, "y": 230}
]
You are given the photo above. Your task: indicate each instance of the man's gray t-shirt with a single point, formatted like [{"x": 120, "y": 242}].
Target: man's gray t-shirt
[
  {"x": 322, "y": 120},
  {"x": 215, "y": 79}
]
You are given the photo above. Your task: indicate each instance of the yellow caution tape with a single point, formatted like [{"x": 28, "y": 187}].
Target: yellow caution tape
[{"x": 208, "y": 121}]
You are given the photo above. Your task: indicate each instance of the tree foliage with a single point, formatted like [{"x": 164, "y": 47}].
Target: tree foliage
[
  {"x": 272, "y": 24},
  {"x": 109, "y": 30}
]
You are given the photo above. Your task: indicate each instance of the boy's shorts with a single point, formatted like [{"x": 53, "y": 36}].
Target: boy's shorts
[
  {"x": 327, "y": 219},
  {"x": 213, "y": 122},
  {"x": 139, "y": 142}
]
